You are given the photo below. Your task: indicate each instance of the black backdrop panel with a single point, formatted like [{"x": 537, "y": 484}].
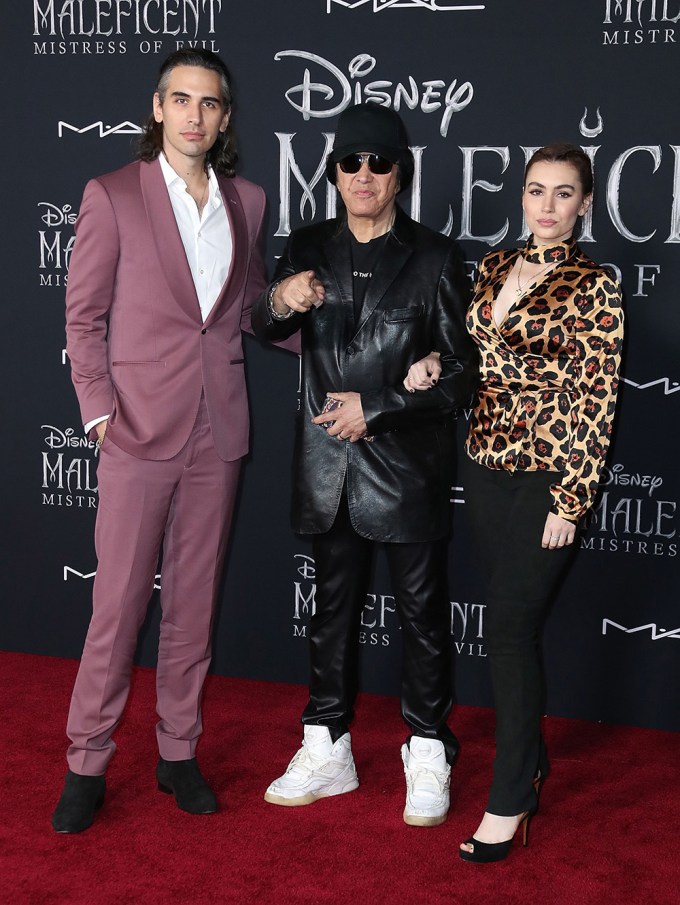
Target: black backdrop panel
[{"x": 479, "y": 86}]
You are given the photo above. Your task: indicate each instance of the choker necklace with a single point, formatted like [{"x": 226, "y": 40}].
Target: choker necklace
[{"x": 551, "y": 255}]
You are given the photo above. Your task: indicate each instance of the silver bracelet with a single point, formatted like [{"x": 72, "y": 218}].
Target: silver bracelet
[{"x": 270, "y": 304}]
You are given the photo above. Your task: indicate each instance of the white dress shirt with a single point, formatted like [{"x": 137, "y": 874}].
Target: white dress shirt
[{"x": 206, "y": 238}]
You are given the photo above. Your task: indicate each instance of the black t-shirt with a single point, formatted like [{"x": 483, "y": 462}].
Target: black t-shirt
[{"x": 364, "y": 258}]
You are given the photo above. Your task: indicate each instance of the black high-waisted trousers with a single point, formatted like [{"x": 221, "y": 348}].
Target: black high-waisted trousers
[
  {"x": 418, "y": 574},
  {"x": 508, "y": 512}
]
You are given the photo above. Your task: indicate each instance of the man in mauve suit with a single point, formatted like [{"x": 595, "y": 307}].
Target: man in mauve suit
[{"x": 166, "y": 264}]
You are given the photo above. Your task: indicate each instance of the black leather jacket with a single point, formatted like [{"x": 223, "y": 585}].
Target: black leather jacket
[{"x": 399, "y": 484}]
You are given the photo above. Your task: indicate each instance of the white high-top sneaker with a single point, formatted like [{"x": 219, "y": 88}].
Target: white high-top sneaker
[
  {"x": 428, "y": 778},
  {"x": 318, "y": 770}
]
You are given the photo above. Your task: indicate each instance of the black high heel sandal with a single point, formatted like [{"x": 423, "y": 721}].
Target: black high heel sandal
[
  {"x": 488, "y": 852},
  {"x": 537, "y": 783}
]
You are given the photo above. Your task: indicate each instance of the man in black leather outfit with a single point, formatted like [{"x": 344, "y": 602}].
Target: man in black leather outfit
[{"x": 372, "y": 291}]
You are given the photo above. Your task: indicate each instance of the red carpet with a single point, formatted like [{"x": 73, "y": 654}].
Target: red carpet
[{"x": 606, "y": 833}]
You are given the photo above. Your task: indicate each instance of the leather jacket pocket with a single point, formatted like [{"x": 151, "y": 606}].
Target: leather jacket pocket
[{"x": 401, "y": 315}]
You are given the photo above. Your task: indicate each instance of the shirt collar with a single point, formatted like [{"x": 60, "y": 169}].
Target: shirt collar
[{"x": 175, "y": 182}]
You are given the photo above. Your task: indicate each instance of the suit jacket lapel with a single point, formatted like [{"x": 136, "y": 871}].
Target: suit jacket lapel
[
  {"x": 167, "y": 239},
  {"x": 239, "y": 247}
]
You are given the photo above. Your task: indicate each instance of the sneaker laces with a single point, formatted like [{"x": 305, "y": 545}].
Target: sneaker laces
[
  {"x": 305, "y": 759},
  {"x": 429, "y": 781}
]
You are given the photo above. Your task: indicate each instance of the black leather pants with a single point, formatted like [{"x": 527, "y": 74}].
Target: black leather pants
[
  {"x": 508, "y": 513},
  {"x": 418, "y": 573}
]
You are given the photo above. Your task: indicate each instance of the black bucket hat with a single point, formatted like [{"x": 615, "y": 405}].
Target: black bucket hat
[{"x": 372, "y": 129}]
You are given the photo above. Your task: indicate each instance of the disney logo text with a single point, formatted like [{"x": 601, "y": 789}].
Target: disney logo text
[
  {"x": 427, "y": 95},
  {"x": 616, "y": 475},
  {"x": 59, "y": 439},
  {"x": 57, "y": 216}
]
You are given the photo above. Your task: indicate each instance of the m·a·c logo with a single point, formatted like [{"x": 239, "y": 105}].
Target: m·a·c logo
[
  {"x": 76, "y": 573},
  {"x": 667, "y": 385},
  {"x": 70, "y": 572},
  {"x": 126, "y": 128},
  {"x": 655, "y": 634},
  {"x": 434, "y": 6}
]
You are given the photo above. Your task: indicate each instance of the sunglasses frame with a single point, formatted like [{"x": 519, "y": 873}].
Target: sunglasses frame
[{"x": 359, "y": 159}]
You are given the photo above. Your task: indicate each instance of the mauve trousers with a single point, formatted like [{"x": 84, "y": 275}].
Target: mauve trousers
[
  {"x": 508, "y": 512},
  {"x": 419, "y": 583},
  {"x": 185, "y": 504}
]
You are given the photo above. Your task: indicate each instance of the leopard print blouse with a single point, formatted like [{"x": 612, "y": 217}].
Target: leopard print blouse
[{"x": 548, "y": 374}]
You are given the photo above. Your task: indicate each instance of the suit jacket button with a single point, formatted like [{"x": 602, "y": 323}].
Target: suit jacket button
[
  {"x": 203, "y": 331},
  {"x": 351, "y": 350}
]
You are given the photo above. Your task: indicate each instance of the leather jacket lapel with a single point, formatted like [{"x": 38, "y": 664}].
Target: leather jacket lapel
[
  {"x": 394, "y": 256},
  {"x": 390, "y": 262},
  {"x": 338, "y": 255}
]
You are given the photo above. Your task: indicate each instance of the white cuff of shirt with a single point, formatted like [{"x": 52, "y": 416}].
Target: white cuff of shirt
[{"x": 90, "y": 424}]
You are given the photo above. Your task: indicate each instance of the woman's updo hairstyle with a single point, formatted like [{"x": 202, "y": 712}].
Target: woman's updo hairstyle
[{"x": 565, "y": 153}]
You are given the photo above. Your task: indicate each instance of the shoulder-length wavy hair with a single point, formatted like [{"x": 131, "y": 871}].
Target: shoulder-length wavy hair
[{"x": 223, "y": 156}]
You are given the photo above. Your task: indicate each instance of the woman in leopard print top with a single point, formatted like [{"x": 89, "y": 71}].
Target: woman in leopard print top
[
  {"x": 548, "y": 369},
  {"x": 549, "y": 325}
]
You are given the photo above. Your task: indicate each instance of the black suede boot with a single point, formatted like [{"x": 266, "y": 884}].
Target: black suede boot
[
  {"x": 183, "y": 779},
  {"x": 80, "y": 799}
]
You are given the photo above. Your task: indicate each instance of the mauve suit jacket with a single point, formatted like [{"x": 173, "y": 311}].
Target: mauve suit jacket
[{"x": 139, "y": 350}]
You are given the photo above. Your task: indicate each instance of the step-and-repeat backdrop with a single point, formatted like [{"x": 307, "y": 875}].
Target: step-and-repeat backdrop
[{"x": 479, "y": 85}]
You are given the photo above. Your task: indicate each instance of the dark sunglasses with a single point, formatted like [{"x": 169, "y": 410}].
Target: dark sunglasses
[{"x": 376, "y": 164}]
